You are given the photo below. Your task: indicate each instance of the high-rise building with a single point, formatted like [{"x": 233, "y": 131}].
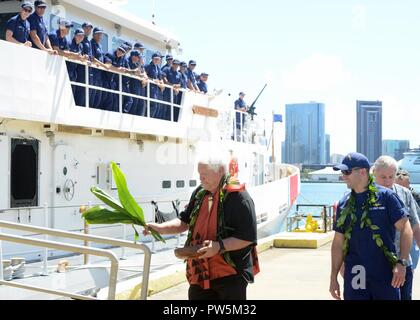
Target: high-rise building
[
  {"x": 327, "y": 148},
  {"x": 305, "y": 133},
  {"x": 395, "y": 148},
  {"x": 369, "y": 129}
]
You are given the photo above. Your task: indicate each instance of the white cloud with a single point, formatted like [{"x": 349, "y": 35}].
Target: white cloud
[
  {"x": 317, "y": 73},
  {"x": 359, "y": 20}
]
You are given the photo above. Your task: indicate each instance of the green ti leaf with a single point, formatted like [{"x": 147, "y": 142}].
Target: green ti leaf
[
  {"x": 125, "y": 196},
  {"x": 107, "y": 199},
  {"x": 101, "y": 215}
]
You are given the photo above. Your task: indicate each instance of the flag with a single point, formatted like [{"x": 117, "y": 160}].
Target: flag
[{"x": 277, "y": 118}]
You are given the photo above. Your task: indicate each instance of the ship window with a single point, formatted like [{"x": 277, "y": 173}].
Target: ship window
[
  {"x": 116, "y": 42},
  {"x": 75, "y": 27},
  {"x": 104, "y": 42},
  {"x": 193, "y": 183},
  {"x": 166, "y": 184},
  {"x": 24, "y": 173},
  {"x": 180, "y": 184}
]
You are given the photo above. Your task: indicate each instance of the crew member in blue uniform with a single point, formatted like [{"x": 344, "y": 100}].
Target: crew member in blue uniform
[
  {"x": 77, "y": 72},
  {"x": 184, "y": 80},
  {"x": 87, "y": 47},
  {"x": 172, "y": 77},
  {"x": 155, "y": 74},
  {"x": 95, "y": 75},
  {"x": 192, "y": 81},
  {"x": 202, "y": 83},
  {"x": 169, "y": 60},
  {"x": 107, "y": 98},
  {"x": 240, "y": 105},
  {"x": 39, "y": 30},
  {"x": 58, "y": 38},
  {"x": 370, "y": 271},
  {"x": 18, "y": 27},
  {"x": 137, "y": 86},
  {"x": 140, "y": 48},
  {"x": 120, "y": 65}
]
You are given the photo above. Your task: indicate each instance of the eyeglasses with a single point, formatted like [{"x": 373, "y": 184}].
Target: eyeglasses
[{"x": 349, "y": 172}]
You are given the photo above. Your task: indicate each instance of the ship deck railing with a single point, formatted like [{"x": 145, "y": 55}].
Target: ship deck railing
[
  {"x": 172, "y": 104},
  {"x": 85, "y": 249}
]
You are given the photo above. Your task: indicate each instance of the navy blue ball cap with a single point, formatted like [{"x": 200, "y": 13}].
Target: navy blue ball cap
[
  {"x": 156, "y": 55},
  {"x": 192, "y": 62},
  {"x": 79, "y": 32},
  {"x": 176, "y": 62},
  {"x": 40, "y": 4},
  {"x": 65, "y": 23},
  {"x": 242, "y": 94},
  {"x": 27, "y": 5},
  {"x": 204, "y": 74},
  {"x": 353, "y": 160},
  {"x": 135, "y": 53},
  {"x": 98, "y": 30},
  {"x": 87, "y": 24},
  {"x": 138, "y": 45},
  {"x": 184, "y": 64},
  {"x": 169, "y": 57}
]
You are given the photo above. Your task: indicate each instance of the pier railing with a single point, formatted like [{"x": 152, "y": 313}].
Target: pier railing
[
  {"x": 75, "y": 249},
  {"x": 325, "y": 217}
]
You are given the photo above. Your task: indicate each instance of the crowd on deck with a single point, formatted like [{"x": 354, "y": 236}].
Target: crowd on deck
[{"x": 166, "y": 82}]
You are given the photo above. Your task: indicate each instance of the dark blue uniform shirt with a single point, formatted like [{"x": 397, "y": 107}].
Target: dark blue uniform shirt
[
  {"x": 71, "y": 66},
  {"x": 191, "y": 77},
  {"x": 239, "y": 104},
  {"x": 363, "y": 250},
  {"x": 173, "y": 77},
  {"x": 184, "y": 80},
  {"x": 57, "y": 41},
  {"x": 20, "y": 28},
  {"x": 202, "y": 86},
  {"x": 38, "y": 24},
  {"x": 97, "y": 51},
  {"x": 87, "y": 47},
  {"x": 154, "y": 72}
]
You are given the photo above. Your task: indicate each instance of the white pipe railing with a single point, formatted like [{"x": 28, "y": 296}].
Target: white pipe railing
[
  {"x": 121, "y": 94},
  {"x": 84, "y": 249},
  {"x": 65, "y": 247}
]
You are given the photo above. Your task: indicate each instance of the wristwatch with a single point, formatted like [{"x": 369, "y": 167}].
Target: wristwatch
[
  {"x": 222, "y": 249},
  {"x": 403, "y": 262}
]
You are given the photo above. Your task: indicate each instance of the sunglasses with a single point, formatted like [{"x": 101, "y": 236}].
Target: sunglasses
[{"x": 349, "y": 172}]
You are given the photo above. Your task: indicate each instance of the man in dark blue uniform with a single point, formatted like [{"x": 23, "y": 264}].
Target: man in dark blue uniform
[
  {"x": 202, "y": 83},
  {"x": 77, "y": 72},
  {"x": 39, "y": 30},
  {"x": 96, "y": 75},
  {"x": 172, "y": 77},
  {"x": 365, "y": 229},
  {"x": 192, "y": 81},
  {"x": 155, "y": 74},
  {"x": 184, "y": 80},
  {"x": 169, "y": 60},
  {"x": 119, "y": 65},
  {"x": 87, "y": 48},
  {"x": 18, "y": 27},
  {"x": 138, "y": 85},
  {"x": 140, "y": 48},
  {"x": 58, "y": 38},
  {"x": 240, "y": 107}
]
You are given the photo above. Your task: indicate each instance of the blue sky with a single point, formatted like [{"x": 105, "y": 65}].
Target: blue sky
[{"x": 327, "y": 51}]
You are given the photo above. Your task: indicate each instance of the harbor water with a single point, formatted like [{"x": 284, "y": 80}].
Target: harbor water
[{"x": 322, "y": 194}]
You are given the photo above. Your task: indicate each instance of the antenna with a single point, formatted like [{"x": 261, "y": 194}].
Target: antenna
[{"x": 154, "y": 11}]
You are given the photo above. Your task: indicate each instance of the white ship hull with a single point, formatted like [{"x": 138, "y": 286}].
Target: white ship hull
[
  {"x": 411, "y": 163},
  {"x": 76, "y": 145}
]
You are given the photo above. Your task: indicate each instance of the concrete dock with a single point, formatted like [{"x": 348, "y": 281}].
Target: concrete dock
[{"x": 286, "y": 274}]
